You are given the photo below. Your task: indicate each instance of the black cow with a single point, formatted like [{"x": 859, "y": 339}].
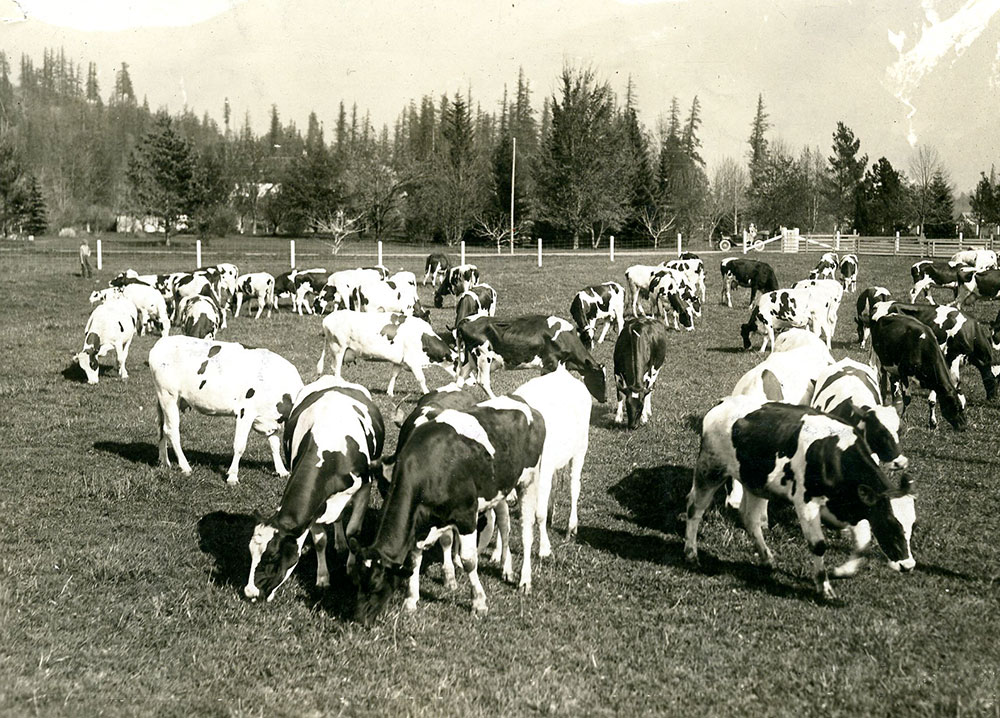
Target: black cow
[
  {"x": 599, "y": 302},
  {"x": 759, "y": 276},
  {"x": 906, "y": 349},
  {"x": 814, "y": 460},
  {"x": 333, "y": 436},
  {"x": 456, "y": 280},
  {"x": 960, "y": 337},
  {"x": 449, "y": 470},
  {"x": 866, "y": 302},
  {"x": 929, "y": 273},
  {"x": 531, "y": 340},
  {"x": 436, "y": 264},
  {"x": 639, "y": 354},
  {"x": 984, "y": 284}
]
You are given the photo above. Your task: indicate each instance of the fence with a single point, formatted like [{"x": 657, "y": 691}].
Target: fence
[{"x": 790, "y": 241}]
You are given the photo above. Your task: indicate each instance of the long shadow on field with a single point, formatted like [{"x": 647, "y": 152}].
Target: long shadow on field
[
  {"x": 654, "y": 497},
  {"x": 74, "y": 374},
  {"x": 727, "y": 350},
  {"x": 226, "y": 537},
  {"x": 140, "y": 452}
]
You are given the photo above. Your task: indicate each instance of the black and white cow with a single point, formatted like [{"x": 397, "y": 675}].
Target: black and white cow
[
  {"x": 828, "y": 291},
  {"x": 450, "y": 470},
  {"x": 849, "y": 272},
  {"x": 284, "y": 286},
  {"x": 670, "y": 288},
  {"x": 333, "y": 436},
  {"x": 596, "y": 303},
  {"x": 457, "y": 280},
  {"x": 904, "y": 349},
  {"x": 259, "y": 286},
  {"x": 148, "y": 301},
  {"x": 195, "y": 285},
  {"x": 640, "y": 352},
  {"x": 199, "y": 316},
  {"x": 693, "y": 268},
  {"x": 435, "y": 268},
  {"x": 928, "y": 273},
  {"x": 788, "y": 308},
  {"x": 107, "y": 337},
  {"x": 336, "y": 294},
  {"x": 308, "y": 285},
  {"x": 960, "y": 337},
  {"x": 813, "y": 460},
  {"x": 480, "y": 300},
  {"x": 637, "y": 279},
  {"x": 979, "y": 259},
  {"x": 983, "y": 284},
  {"x": 866, "y": 303},
  {"x": 387, "y": 295},
  {"x": 758, "y": 276},
  {"x": 826, "y": 267},
  {"x": 535, "y": 340},
  {"x": 256, "y": 386},
  {"x": 404, "y": 341}
]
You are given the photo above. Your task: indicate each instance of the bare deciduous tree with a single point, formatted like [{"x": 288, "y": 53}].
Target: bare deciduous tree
[
  {"x": 337, "y": 225},
  {"x": 657, "y": 222},
  {"x": 497, "y": 228},
  {"x": 924, "y": 164}
]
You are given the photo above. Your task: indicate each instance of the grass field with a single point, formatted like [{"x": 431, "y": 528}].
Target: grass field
[{"x": 119, "y": 580}]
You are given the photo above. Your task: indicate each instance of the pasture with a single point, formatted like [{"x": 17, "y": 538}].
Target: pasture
[{"x": 120, "y": 581}]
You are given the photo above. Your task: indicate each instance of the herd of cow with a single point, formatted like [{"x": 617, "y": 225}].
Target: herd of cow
[{"x": 821, "y": 433}]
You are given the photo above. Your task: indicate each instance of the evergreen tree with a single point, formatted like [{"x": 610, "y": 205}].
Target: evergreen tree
[
  {"x": 13, "y": 190},
  {"x": 941, "y": 221},
  {"x": 985, "y": 200},
  {"x": 779, "y": 197},
  {"x": 161, "y": 174},
  {"x": 846, "y": 170},
  {"x": 880, "y": 202},
  {"x": 758, "y": 140},
  {"x": 124, "y": 94},
  {"x": 35, "y": 216},
  {"x": 93, "y": 92}
]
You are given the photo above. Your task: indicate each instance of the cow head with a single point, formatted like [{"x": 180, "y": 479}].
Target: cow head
[
  {"x": 953, "y": 408},
  {"x": 594, "y": 379},
  {"x": 273, "y": 556},
  {"x": 634, "y": 398},
  {"x": 746, "y": 330},
  {"x": 376, "y": 582},
  {"x": 893, "y": 528},
  {"x": 420, "y": 312}
]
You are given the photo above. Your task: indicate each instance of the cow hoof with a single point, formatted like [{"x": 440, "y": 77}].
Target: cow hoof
[
  {"x": 186, "y": 472},
  {"x": 525, "y": 589},
  {"x": 322, "y": 582},
  {"x": 828, "y": 592},
  {"x": 410, "y": 605},
  {"x": 232, "y": 480},
  {"x": 450, "y": 584},
  {"x": 508, "y": 575},
  {"x": 283, "y": 474},
  {"x": 479, "y": 610},
  {"x": 544, "y": 551},
  {"x": 691, "y": 556}
]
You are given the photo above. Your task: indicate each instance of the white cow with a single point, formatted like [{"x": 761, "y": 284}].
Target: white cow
[
  {"x": 110, "y": 328},
  {"x": 387, "y": 295},
  {"x": 148, "y": 301},
  {"x": 404, "y": 341},
  {"x": 256, "y": 386},
  {"x": 784, "y": 308},
  {"x": 259, "y": 286},
  {"x": 199, "y": 316},
  {"x": 979, "y": 258}
]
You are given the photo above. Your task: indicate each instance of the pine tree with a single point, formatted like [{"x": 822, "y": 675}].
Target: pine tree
[
  {"x": 880, "y": 203},
  {"x": 124, "y": 94},
  {"x": 690, "y": 140},
  {"x": 35, "y": 215},
  {"x": 985, "y": 199},
  {"x": 941, "y": 221},
  {"x": 758, "y": 139},
  {"x": 93, "y": 92},
  {"x": 844, "y": 176}
]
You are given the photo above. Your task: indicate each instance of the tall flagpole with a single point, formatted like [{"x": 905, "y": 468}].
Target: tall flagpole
[{"x": 513, "y": 161}]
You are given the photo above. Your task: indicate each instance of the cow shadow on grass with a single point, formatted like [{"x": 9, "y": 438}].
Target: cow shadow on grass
[
  {"x": 728, "y": 350},
  {"x": 226, "y": 537},
  {"x": 73, "y": 373},
  {"x": 140, "y": 452}
]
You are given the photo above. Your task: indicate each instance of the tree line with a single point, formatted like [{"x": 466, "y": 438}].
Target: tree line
[{"x": 575, "y": 169}]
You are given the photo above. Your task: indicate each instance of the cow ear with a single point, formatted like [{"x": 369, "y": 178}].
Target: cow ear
[
  {"x": 620, "y": 383},
  {"x": 868, "y": 496}
]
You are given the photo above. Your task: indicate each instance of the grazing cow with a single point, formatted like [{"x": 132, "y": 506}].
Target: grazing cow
[
  {"x": 693, "y": 268},
  {"x": 108, "y": 335},
  {"x": 788, "y": 376},
  {"x": 308, "y": 284},
  {"x": 827, "y": 290},
  {"x": 148, "y": 301},
  {"x": 532, "y": 340},
  {"x": 284, "y": 287},
  {"x": 333, "y": 436},
  {"x": 397, "y": 338},
  {"x": 637, "y": 279},
  {"x": 979, "y": 259},
  {"x": 640, "y": 352},
  {"x": 849, "y": 272},
  {"x": 130, "y": 276},
  {"x": 387, "y": 295},
  {"x": 929, "y": 273},
  {"x": 826, "y": 267},
  {"x": 599, "y": 302},
  {"x": 222, "y": 379},
  {"x": 195, "y": 285},
  {"x": 259, "y": 286},
  {"x": 480, "y": 300},
  {"x": 904, "y": 348},
  {"x": 793, "y": 452},
  {"x": 336, "y": 294},
  {"x": 866, "y": 303},
  {"x": 199, "y": 316},
  {"x": 435, "y": 268},
  {"x": 960, "y": 337},
  {"x": 759, "y": 276},
  {"x": 451, "y": 469},
  {"x": 983, "y": 284},
  {"x": 788, "y": 308},
  {"x": 672, "y": 288},
  {"x": 457, "y": 281},
  {"x": 795, "y": 338}
]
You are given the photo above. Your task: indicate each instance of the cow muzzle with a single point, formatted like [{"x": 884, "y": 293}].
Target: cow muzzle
[{"x": 904, "y": 566}]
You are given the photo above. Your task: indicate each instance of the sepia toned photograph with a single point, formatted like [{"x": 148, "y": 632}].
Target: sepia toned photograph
[{"x": 546, "y": 358}]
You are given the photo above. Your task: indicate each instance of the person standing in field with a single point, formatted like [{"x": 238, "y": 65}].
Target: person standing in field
[{"x": 85, "y": 260}]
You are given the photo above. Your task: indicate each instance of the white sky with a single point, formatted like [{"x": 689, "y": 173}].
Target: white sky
[{"x": 923, "y": 71}]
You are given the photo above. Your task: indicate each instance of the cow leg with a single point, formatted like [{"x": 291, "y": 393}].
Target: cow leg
[
  {"x": 861, "y": 536},
  {"x": 753, "y": 511},
  {"x": 470, "y": 562},
  {"x": 239, "y": 304},
  {"x": 418, "y": 373},
  {"x": 703, "y": 488},
  {"x": 426, "y": 275},
  {"x": 487, "y": 533},
  {"x": 243, "y": 424},
  {"x": 528, "y": 499},
  {"x": 503, "y": 540},
  {"x": 575, "y": 480},
  {"x": 932, "y": 404},
  {"x": 338, "y": 361},
  {"x": 172, "y": 429},
  {"x": 484, "y": 363},
  {"x": 261, "y": 303},
  {"x": 604, "y": 331},
  {"x": 812, "y": 529},
  {"x": 544, "y": 480},
  {"x": 122, "y": 352},
  {"x": 447, "y": 540},
  {"x": 274, "y": 440},
  {"x": 734, "y": 499},
  {"x": 318, "y": 533},
  {"x": 647, "y": 409},
  {"x": 392, "y": 380},
  {"x": 620, "y": 410},
  {"x": 413, "y": 586},
  {"x": 768, "y": 336}
]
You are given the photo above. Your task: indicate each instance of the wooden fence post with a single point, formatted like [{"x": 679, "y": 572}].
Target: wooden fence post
[
  {"x": 462, "y": 250},
  {"x": 539, "y": 252},
  {"x": 611, "y": 247},
  {"x": 896, "y": 248},
  {"x": 291, "y": 253},
  {"x": 100, "y": 256},
  {"x": 380, "y": 253},
  {"x": 197, "y": 253},
  {"x": 678, "y": 244}
]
